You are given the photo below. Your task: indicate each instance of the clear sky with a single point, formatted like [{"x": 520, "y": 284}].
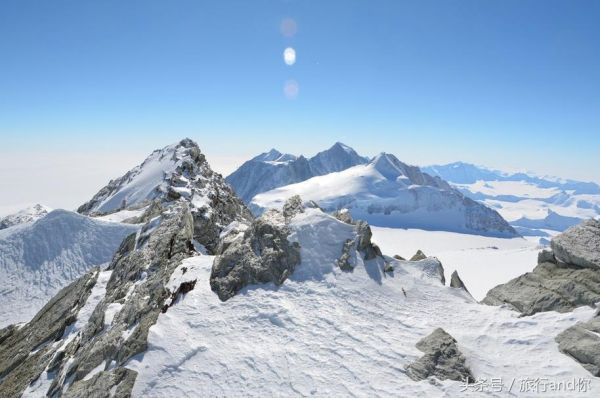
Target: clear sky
[{"x": 99, "y": 84}]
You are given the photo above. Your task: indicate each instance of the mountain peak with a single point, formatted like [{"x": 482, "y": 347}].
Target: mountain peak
[
  {"x": 176, "y": 173},
  {"x": 29, "y": 214},
  {"x": 344, "y": 147},
  {"x": 388, "y": 165}
]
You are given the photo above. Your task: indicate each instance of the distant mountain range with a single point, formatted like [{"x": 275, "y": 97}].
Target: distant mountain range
[
  {"x": 530, "y": 202},
  {"x": 273, "y": 169},
  {"x": 383, "y": 191}
]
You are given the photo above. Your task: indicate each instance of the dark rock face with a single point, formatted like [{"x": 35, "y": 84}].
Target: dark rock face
[
  {"x": 263, "y": 255},
  {"x": 17, "y": 366},
  {"x": 456, "y": 282},
  {"x": 137, "y": 288},
  {"x": 582, "y": 343},
  {"x": 555, "y": 284},
  {"x": 100, "y": 385},
  {"x": 419, "y": 255},
  {"x": 442, "y": 359}
]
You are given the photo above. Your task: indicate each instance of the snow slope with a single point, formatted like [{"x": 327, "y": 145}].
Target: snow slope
[
  {"x": 387, "y": 192},
  {"x": 273, "y": 169},
  {"x": 38, "y": 259},
  {"x": 140, "y": 185},
  {"x": 525, "y": 197},
  {"x": 329, "y": 333},
  {"x": 482, "y": 262}
]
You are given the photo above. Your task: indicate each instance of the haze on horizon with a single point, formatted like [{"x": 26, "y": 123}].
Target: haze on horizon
[{"x": 89, "y": 89}]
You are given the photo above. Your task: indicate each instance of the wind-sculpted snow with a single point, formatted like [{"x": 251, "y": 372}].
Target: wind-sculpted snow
[
  {"x": 328, "y": 332},
  {"x": 387, "y": 192},
  {"x": 37, "y": 260}
]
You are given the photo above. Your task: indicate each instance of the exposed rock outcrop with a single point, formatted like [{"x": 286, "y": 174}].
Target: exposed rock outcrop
[
  {"x": 344, "y": 216},
  {"x": 262, "y": 255},
  {"x": 442, "y": 359},
  {"x": 91, "y": 361},
  {"x": 582, "y": 343},
  {"x": 364, "y": 244},
  {"x": 456, "y": 282},
  {"x": 579, "y": 245},
  {"x": 555, "y": 285},
  {"x": 419, "y": 255},
  {"x": 25, "y": 352}
]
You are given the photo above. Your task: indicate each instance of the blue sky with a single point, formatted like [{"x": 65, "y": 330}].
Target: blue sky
[{"x": 510, "y": 84}]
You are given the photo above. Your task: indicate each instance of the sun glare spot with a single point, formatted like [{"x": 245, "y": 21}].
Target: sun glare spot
[{"x": 289, "y": 56}]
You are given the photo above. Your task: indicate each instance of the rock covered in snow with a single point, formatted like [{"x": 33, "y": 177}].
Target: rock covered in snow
[
  {"x": 27, "y": 215},
  {"x": 579, "y": 245},
  {"x": 442, "y": 359},
  {"x": 177, "y": 172},
  {"x": 263, "y": 255}
]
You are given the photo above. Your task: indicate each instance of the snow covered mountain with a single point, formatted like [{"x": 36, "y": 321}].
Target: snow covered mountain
[
  {"x": 174, "y": 173},
  {"x": 273, "y": 169},
  {"x": 38, "y": 259},
  {"x": 27, "y": 215},
  {"x": 537, "y": 205},
  {"x": 387, "y": 192}
]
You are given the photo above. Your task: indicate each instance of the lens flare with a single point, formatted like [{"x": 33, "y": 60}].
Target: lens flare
[
  {"x": 291, "y": 89},
  {"x": 288, "y": 27},
  {"x": 289, "y": 56}
]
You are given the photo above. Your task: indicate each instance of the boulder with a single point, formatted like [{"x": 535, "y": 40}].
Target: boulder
[
  {"x": 579, "y": 245},
  {"x": 263, "y": 255},
  {"x": 442, "y": 359},
  {"x": 565, "y": 278},
  {"x": 550, "y": 287},
  {"x": 582, "y": 343}
]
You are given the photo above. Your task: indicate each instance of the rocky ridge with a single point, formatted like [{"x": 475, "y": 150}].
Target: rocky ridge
[
  {"x": 177, "y": 172},
  {"x": 27, "y": 215}
]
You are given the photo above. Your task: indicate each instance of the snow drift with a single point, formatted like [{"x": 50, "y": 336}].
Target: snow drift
[{"x": 37, "y": 260}]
